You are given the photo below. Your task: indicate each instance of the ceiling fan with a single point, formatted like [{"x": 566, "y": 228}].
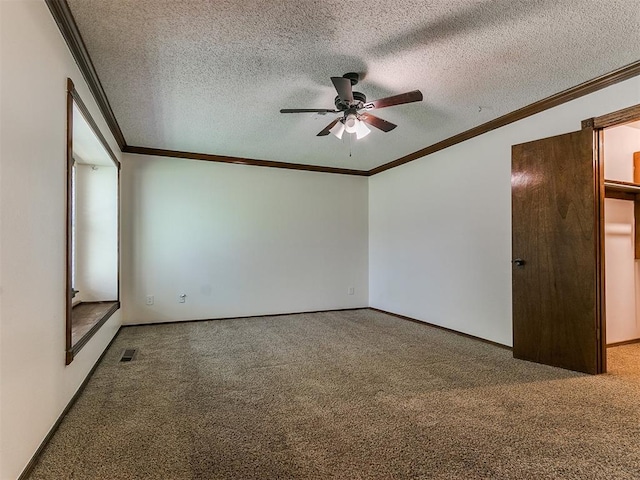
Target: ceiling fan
[{"x": 355, "y": 109}]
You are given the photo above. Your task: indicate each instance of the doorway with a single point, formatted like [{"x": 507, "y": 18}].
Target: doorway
[
  {"x": 559, "y": 188},
  {"x": 621, "y": 159}
]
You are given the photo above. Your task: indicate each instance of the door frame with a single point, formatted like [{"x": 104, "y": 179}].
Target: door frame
[{"x": 599, "y": 124}]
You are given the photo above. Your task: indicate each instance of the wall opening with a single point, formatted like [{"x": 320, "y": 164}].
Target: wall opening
[
  {"x": 621, "y": 147},
  {"x": 92, "y": 227}
]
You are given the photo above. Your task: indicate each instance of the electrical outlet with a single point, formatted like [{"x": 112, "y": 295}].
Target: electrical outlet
[
  {"x": 149, "y": 300},
  {"x": 351, "y": 291},
  {"x": 182, "y": 298}
]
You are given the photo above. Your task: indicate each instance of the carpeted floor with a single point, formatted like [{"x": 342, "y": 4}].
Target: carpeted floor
[{"x": 349, "y": 395}]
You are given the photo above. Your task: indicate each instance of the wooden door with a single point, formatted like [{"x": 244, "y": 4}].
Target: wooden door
[{"x": 557, "y": 268}]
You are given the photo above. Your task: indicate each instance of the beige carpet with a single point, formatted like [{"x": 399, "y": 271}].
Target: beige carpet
[{"x": 349, "y": 395}]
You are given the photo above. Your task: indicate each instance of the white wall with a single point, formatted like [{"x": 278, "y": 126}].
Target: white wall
[
  {"x": 620, "y": 143},
  {"x": 239, "y": 240},
  {"x": 35, "y": 384},
  {"x": 96, "y": 232},
  {"x": 621, "y": 269},
  {"x": 440, "y": 227}
]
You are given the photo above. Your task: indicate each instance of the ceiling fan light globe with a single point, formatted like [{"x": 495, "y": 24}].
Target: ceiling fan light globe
[
  {"x": 337, "y": 130},
  {"x": 362, "y": 130},
  {"x": 350, "y": 123}
]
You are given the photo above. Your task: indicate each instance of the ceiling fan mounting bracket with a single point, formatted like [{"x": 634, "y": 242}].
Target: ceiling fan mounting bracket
[{"x": 353, "y": 77}]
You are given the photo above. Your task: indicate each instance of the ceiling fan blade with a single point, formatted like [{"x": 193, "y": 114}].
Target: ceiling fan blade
[
  {"x": 327, "y": 128},
  {"x": 308, "y": 110},
  {"x": 377, "y": 122},
  {"x": 343, "y": 87},
  {"x": 409, "y": 97}
]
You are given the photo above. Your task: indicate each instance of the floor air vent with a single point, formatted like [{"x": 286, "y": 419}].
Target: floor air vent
[{"x": 128, "y": 355}]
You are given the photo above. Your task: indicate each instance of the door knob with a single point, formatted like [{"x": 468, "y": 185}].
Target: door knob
[{"x": 518, "y": 262}]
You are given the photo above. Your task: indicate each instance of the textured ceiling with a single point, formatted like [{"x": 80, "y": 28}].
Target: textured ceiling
[{"x": 211, "y": 76}]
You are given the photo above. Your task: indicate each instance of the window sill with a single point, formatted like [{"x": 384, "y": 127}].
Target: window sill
[{"x": 86, "y": 320}]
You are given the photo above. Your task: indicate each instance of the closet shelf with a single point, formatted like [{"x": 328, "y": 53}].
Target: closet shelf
[{"x": 615, "y": 186}]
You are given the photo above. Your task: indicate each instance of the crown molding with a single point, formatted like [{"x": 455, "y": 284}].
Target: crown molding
[
  {"x": 64, "y": 18},
  {"x": 66, "y": 23},
  {"x": 572, "y": 93},
  {"x": 242, "y": 161},
  {"x": 71, "y": 89}
]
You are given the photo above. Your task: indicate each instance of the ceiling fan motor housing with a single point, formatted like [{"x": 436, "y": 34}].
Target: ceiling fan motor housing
[{"x": 359, "y": 99}]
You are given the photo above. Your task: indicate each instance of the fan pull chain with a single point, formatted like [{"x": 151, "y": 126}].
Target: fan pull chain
[{"x": 350, "y": 144}]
